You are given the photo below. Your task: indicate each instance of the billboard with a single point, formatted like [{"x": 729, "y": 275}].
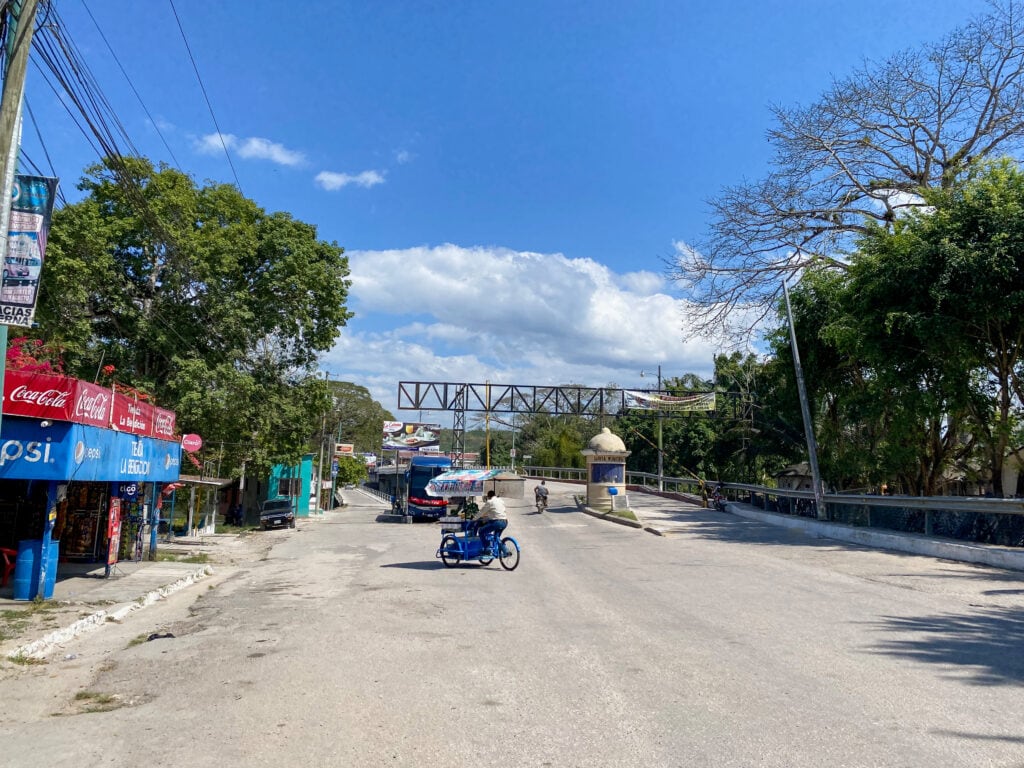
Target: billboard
[
  {"x": 31, "y": 207},
  {"x": 411, "y": 436}
]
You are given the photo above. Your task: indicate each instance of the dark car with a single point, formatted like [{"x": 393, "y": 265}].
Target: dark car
[{"x": 277, "y": 513}]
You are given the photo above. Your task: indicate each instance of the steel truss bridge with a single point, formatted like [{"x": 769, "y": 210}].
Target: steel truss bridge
[{"x": 461, "y": 398}]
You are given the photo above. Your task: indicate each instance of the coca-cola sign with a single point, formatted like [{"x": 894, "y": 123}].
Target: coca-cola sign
[
  {"x": 163, "y": 423},
  {"x": 92, "y": 404},
  {"x": 39, "y": 395},
  {"x": 49, "y": 398},
  {"x": 63, "y": 398}
]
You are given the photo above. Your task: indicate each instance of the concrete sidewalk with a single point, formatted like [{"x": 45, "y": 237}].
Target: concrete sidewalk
[
  {"x": 84, "y": 599},
  {"x": 666, "y": 515}
]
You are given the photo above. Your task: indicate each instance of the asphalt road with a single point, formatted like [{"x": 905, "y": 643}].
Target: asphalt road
[{"x": 726, "y": 643}]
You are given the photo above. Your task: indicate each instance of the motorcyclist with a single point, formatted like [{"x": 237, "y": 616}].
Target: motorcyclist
[
  {"x": 719, "y": 498},
  {"x": 540, "y": 494}
]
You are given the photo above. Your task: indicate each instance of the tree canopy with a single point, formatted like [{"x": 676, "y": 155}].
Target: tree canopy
[
  {"x": 861, "y": 153},
  {"x": 916, "y": 349},
  {"x": 198, "y": 296}
]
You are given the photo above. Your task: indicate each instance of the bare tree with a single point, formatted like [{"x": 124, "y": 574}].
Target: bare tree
[{"x": 861, "y": 152}]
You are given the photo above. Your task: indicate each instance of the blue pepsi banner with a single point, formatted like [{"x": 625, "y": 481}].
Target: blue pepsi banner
[{"x": 65, "y": 451}]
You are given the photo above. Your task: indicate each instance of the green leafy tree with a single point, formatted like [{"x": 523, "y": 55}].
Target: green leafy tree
[
  {"x": 350, "y": 470},
  {"x": 950, "y": 287},
  {"x": 355, "y": 417},
  {"x": 198, "y": 296}
]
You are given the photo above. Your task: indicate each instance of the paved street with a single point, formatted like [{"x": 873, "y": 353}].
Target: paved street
[{"x": 725, "y": 642}]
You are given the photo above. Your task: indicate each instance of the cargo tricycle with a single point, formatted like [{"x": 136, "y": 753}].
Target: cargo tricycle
[{"x": 456, "y": 548}]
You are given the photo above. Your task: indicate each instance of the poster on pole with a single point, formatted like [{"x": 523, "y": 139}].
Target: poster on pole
[
  {"x": 113, "y": 530},
  {"x": 31, "y": 209}
]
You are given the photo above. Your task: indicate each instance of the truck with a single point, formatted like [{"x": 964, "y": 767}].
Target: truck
[{"x": 422, "y": 469}]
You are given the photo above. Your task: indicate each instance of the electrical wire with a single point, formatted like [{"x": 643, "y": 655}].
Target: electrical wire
[
  {"x": 53, "y": 171},
  {"x": 67, "y": 67},
  {"x": 64, "y": 70},
  {"x": 220, "y": 133},
  {"x": 152, "y": 120}
]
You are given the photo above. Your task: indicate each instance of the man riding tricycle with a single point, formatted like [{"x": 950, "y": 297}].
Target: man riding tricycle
[{"x": 476, "y": 533}]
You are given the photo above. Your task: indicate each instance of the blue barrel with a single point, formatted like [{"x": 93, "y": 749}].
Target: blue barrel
[{"x": 28, "y": 565}]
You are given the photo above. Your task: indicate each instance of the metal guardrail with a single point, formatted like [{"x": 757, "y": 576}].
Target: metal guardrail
[
  {"x": 379, "y": 494},
  {"x": 971, "y": 518}
]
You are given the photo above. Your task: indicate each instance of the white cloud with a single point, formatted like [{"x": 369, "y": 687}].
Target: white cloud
[
  {"x": 450, "y": 313},
  {"x": 403, "y": 156},
  {"x": 213, "y": 143},
  {"x": 331, "y": 181},
  {"x": 264, "y": 149},
  {"x": 252, "y": 148}
]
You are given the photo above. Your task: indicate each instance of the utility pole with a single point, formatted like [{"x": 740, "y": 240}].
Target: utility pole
[
  {"x": 16, "y": 48},
  {"x": 812, "y": 445},
  {"x": 661, "y": 453},
  {"x": 20, "y": 26}
]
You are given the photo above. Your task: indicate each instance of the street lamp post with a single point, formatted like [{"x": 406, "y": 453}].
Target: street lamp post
[{"x": 661, "y": 452}]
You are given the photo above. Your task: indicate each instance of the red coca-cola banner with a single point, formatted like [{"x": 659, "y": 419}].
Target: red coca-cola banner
[
  {"x": 63, "y": 398},
  {"x": 39, "y": 395},
  {"x": 93, "y": 404},
  {"x": 163, "y": 423}
]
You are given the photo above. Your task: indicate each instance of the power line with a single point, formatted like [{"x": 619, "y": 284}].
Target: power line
[
  {"x": 53, "y": 171},
  {"x": 220, "y": 133},
  {"x": 131, "y": 85}
]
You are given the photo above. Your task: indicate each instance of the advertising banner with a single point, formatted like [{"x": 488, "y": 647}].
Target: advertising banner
[
  {"x": 411, "y": 436},
  {"x": 113, "y": 530},
  {"x": 654, "y": 401},
  {"x": 344, "y": 449},
  {"x": 131, "y": 415},
  {"x": 93, "y": 404},
  {"x": 62, "y": 398},
  {"x": 38, "y": 395},
  {"x": 31, "y": 207},
  {"x": 65, "y": 451},
  {"x": 163, "y": 423}
]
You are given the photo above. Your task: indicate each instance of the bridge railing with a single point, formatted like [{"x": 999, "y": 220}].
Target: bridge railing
[{"x": 964, "y": 518}]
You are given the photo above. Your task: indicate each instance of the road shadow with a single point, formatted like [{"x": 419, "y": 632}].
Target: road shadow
[
  {"x": 984, "y": 647},
  {"x": 423, "y": 565},
  {"x": 722, "y": 526}
]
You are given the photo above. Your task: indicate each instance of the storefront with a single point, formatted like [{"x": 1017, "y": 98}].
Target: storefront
[{"x": 81, "y": 464}]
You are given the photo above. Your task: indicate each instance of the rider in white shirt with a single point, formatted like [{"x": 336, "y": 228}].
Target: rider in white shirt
[{"x": 492, "y": 516}]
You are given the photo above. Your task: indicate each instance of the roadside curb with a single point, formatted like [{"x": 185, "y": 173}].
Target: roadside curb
[
  {"x": 41, "y": 647},
  {"x": 613, "y": 518}
]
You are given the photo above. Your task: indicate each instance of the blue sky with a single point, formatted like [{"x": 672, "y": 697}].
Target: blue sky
[{"x": 506, "y": 178}]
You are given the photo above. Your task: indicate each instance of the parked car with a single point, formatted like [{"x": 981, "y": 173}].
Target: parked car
[{"x": 277, "y": 513}]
